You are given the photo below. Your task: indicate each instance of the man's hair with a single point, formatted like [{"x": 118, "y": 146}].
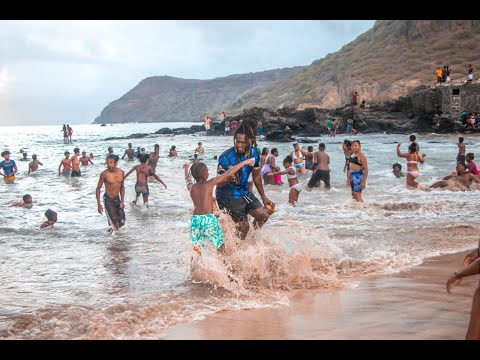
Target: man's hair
[
  {"x": 114, "y": 157},
  {"x": 274, "y": 150},
  {"x": 356, "y": 141},
  {"x": 26, "y": 196},
  {"x": 460, "y": 139},
  {"x": 197, "y": 170},
  {"x": 34, "y": 157},
  {"x": 265, "y": 151},
  {"x": 76, "y": 150},
  {"x": 110, "y": 148},
  {"x": 156, "y": 146},
  {"x": 248, "y": 127},
  {"x": 310, "y": 148},
  {"x": 195, "y": 156},
  {"x": 321, "y": 146},
  {"x": 144, "y": 158},
  {"x": 200, "y": 143},
  {"x": 397, "y": 165},
  {"x": 129, "y": 144},
  {"x": 50, "y": 214},
  {"x": 413, "y": 138},
  {"x": 67, "y": 152},
  {"x": 288, "y": 159}
]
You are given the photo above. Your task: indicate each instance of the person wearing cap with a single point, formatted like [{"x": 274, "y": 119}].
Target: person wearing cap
[
  {"x": 9, "y": 168},
  {"x": 75, "y": 163},
  {"x": 33, "y": 165},
  {"x": 154, "y": 156}
]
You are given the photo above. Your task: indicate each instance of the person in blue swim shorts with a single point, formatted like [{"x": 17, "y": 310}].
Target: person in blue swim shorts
[{"x": 358, "y": 171}]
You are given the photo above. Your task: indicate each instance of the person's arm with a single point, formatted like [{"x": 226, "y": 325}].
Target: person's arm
[
  {"x": 227, "y": 174},
  {"x": 474, "y": 178},
  {"x": 40, "y": 163},
  {"x": 15, "y": 170},
  {"x": 29, "y": 168},
  {"x": 101, "y": 180},
  {"x": 279, "y": 173},
  {"x": 472, "y": 269},
  {"x": 188, "y": 176},
  {"x": 158, "y": 178},
  {"x": 131, "y": 170},
  {"x": 472, "y": 256},
  {"x": 90, "y": 161},
  {"x": 365, "y": 171},
  {"x": 122, "y": 194},
  {"x": 59, "y": 166},
  {"x": 124, "y": 154},
  {"x": 399, "y": 153}
]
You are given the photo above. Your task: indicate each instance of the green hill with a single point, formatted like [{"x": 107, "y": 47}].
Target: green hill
[{"x": 386, "y": 62}]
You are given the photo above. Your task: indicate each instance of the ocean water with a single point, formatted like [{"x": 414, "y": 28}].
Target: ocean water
[{"x": 76, "y": 281}]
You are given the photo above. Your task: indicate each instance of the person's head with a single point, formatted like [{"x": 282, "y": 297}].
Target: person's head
[
  {"x": 67, "y": 154},
  {"x": 397, "y": 167},
  {"x": 265, "y": 151},
  {"x": 51, "y": 215},
  {"x": 460, "y": 140},
  {"x": 110, "y": 150},
  {"x": 91, "y": 155},
  {"x": 199, "y": 144},
  {"x": 321, "y": 147},
  {"x": 461, "y": 168},
  {"x": 144, "y": 158},
  {"x": 412, "y": 148},
  {"x": 25, "y": 155},
  {"x": 245, "y": 136},
  {"x": 469, "y": 157},
  {"x": 296, "y": 146},
  {"x": 274, "y": 152},
  {"x": 173, "y": 148},
  {"x": 215, "y": 157},
  {"x": 130, "y": 145},
  {"x": 310, "y": 148},
  {"x": 195, "y": 156},
  {"x": 84, "y": 153},
  {"x": 27, "y": 199},
  {"x": 356, "y": 146},
  {"x": 34, "y": 157},
  {"x": 347, "y": 143},
  {"x": 199, "y": 171},
  {"x": 142, "y": 150},
  {"x": 6, "y": 154},
  {"x": 156, "y": 148},
  {"x": 287, "y": 162},
  {"x": 76, "y": 151},
  {"x": 413, "y": 138},
  {"x": 138, "y": 148},
  {"x": 112, "y": 162}
]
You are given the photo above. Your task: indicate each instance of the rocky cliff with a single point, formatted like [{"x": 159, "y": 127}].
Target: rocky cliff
[
  {"x": 165, "y": 98},
  {"x": 384, "y": 63}
]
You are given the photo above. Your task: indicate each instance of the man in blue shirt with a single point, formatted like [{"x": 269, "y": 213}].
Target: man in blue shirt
[
  {"x": 235, "y": 196},
  {"x": 9, "y": 167}
]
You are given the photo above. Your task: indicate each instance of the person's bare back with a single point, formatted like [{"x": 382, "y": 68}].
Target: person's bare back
[
  {"x": 322, "y": 160},
  {"x": 143, "y": 172}
]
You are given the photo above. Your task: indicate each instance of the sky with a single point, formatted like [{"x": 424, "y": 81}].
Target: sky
[{"x": 68, "y": 71}]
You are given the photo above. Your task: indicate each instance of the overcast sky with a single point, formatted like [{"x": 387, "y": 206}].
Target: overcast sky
[{"x": 55, "y": 72}]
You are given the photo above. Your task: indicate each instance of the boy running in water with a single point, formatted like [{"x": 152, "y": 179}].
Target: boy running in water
[
  {"x": 203, "y": 223},
  {"x": 143, "y": 172}
]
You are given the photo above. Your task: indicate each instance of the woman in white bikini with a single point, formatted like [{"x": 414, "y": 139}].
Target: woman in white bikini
[
  {"x": 298, "y": 156},
  {"x": 412, "y": 164},
  {"x": 291, "y": 173}
]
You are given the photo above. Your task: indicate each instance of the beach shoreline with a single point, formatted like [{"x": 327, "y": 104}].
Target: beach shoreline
[{"x": 411, "y": 304}]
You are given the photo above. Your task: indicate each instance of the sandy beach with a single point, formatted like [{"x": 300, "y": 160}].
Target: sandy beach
[{"x": 412, "y": 304}]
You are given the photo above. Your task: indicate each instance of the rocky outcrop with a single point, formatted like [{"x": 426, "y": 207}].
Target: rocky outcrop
[{"x": 167, "y": 99}]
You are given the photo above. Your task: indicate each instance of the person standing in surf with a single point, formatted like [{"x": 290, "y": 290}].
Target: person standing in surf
[{"x": 114, "y": 196}]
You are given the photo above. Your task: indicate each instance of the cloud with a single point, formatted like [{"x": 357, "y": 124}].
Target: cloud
[{"x": 73, "y": 69}]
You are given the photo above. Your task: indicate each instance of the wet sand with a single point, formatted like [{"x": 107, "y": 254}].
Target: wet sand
[{"x": 412, "y": 304}]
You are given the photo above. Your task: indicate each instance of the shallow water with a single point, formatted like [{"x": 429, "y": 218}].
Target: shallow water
[{"x": 77, "y": 281}]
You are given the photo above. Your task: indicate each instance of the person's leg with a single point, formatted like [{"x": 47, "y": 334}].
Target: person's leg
[
  {"x": 439, "y": 184},
  {"x": 473, "y": 332},
  {"x": 236, "y": 209},
  {"x": 255, "y": 209},
  {"x": 326, "y": 178},
  {"x": 314, "y": 179}
]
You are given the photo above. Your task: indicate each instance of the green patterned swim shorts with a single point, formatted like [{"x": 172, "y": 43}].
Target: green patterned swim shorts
[{"x": 205, "y": 227}]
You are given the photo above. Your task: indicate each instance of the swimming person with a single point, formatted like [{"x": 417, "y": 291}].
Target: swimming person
[
  {"x": 291, "y": 172},
  {"x": 397, "y": 170},
  {"x": 173, "y": 151},
  {"x": 412, "y": 164},
  {"x": 114, "y": 196},
  {"x": 27, "y": 202},
  {"x": 203, "y": 223},
  {"x": 51, "y": 219},
  {"x": 9, "y": 168},
  {"x": 33, "y": 165},
  {"x": 66, "y": 165},
  {"x": 143, "y": 172}
]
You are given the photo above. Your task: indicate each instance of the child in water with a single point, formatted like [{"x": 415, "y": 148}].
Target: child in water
[
  {"x": 295, "y": 187},
  {"x": 51, "y": 219},
  {"x": 203, "y": 223},
  {"x": 27, "y": 202},
  {"x": 397, "y": 170},
  {"x": 471, "y": 166}
]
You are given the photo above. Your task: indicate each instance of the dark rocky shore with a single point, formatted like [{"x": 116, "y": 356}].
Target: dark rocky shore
[{"x": 427, "y": 109}]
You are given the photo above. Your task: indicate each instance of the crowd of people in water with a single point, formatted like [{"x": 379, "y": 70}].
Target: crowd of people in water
[{"x": 239, "y": 169}]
